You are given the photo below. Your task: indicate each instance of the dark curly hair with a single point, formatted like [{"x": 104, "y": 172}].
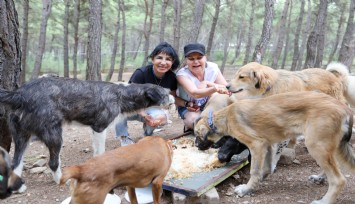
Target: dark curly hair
[{"x": 166, "y": 48}]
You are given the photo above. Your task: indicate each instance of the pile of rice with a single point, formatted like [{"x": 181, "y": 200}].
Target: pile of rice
[{"x": 187, "y": 159}]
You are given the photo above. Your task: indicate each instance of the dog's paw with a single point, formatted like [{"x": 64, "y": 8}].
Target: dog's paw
[
  {"x": 317, "y": 179},
  {"x": 319, "y": 202},
  {"x": 242, "y": 190},
  {"x": 57, "y": 175},
  {"x": 22, "y": 189}
]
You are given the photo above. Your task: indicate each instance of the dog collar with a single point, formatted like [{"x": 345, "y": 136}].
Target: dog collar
[
  {"x": 210, "y": 121},
  {"x": 267, "y": 89}
]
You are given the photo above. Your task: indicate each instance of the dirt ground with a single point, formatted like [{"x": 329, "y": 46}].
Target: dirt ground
[{"x": 288, "y": 185}]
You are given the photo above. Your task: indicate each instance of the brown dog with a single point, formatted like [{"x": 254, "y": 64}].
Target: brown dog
[
  {"x": 256, "y": 80},
  {"x": 9, "y": 181},
  {"x": 325, "y": 123},
  {"x": 134, "y": 166}
]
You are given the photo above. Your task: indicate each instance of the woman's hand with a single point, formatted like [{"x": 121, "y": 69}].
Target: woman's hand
[
  {"x": 149, "y": 120},
  {"x": 192, "y": 107},
  {"x": 219, "y": 88}
]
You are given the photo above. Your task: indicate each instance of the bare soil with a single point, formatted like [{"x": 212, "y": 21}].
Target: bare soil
[{"x": 288, "y": 185}]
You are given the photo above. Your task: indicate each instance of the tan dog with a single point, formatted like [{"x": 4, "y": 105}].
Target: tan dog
[
  {"x": 256, "y": 80},
  {"x": 9, "y": 181},
  {"x": 325, "y": 123},
  {"x": 134, "y": 166}
]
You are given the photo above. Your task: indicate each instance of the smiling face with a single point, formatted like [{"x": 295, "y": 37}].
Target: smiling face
[
  {"x": 196, "y": 62},
  {"x": 162, "y": 63}
]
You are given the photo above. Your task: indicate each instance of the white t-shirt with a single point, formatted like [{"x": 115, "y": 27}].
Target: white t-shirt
[{"x": 211, "y": 73}]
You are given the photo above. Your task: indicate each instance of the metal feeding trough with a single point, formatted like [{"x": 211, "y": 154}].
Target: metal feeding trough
[{"x": 199, "y": 183}]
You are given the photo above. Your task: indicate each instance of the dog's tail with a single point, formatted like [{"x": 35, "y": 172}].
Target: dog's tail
[
  {"x": 72, "y": 172},
  {"x": 10, "y": 97},
  {"x": 345, "y": 148},
  {"x": 339, "y": 70}
]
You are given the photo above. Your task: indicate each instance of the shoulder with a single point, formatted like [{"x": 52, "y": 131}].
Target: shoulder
[
  {"x": 141, "y": 75},
  {"x": 182, "y": 71},
  {"x": 212, "y": 66}
]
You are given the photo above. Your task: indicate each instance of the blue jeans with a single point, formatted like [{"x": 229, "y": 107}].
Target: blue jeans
[{"x": 121, "y": 127}]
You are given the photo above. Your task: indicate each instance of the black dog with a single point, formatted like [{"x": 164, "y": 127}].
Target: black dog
[
  {"x": 228, "y": 145},
  {"x": 41, "y": 106},
  {"x": 9, "y": 181}
]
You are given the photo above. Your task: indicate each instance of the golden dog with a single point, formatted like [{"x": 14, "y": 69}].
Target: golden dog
[
  {"x": 325, "y": 122},
  {"x": 9, "y": 181},
  {"x": 256, "y": 80},
  {"x": 134, "y": 166}
]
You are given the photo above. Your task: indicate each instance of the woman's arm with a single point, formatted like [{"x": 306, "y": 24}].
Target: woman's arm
[{"x": 206, "y": 88}]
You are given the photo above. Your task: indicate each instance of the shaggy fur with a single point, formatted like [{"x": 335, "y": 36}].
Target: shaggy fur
[
  {"x": 325, "y": 123},
  {"x": 41, "y": 106},
  {"x": 256, "y": 80},
  {"x": 9, "y": 181},
  {"x": 341, "y": 70},
  {"x": 228, "y": 146},
  {"x": 134, "y": 166}
]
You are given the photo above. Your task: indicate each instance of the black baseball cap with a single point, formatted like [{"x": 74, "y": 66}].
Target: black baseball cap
[{"x": 194, "y": 47}]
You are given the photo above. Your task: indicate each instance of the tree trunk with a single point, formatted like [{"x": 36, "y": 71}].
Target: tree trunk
[
  {"x": 115, "y": 45},
  {"x": 24, "y": 39},
  {"x": 147, "y": 28},
  {"x": 227, "y": 34},
  {"x": 261, "y": 47},
  {"x": 297, "y": 37},
  {"x": 250, "y": 33},
  {"x": 177, "y": 24},
  {"x": 93, "y": 71},
  {"x": 347, "y": 49},
  {"x": 240, "y": 39},
  {"x": 321, "y": 41},
  {"x": 197, "y": 21},
  {"x": 339, "y": 30},
  {"x": 10, "y": 58},
  {"x": 163, "y": 19},
  {"x": 305, "y": 35},
  {"x": 280, "y": 37},
  {"x": 123, "y": 42},
  {"x": 76, "y": 38},
  {"x": 213, "y": 27},
  {"x": 315, "y": 38},
  {"x": 287, "y": 40},
  {"x": 46, "y": 11},
  {"x": 139, "y": 40},
  {"x": 66, "y": 42}
]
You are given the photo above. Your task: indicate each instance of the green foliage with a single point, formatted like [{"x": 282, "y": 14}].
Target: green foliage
[{"x": 135, "y": 14}]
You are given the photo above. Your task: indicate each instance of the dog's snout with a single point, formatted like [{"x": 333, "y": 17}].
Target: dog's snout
[
  {"x": 228, "y": 86},
  {"x": 222, "y": 157}
]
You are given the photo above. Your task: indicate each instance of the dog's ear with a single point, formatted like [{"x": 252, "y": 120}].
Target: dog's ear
[
  {"x": 200, "y": 128},
  {"x": 263, "y": 80}
]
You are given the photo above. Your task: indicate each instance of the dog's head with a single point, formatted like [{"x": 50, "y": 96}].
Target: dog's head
[
  {"x": 205, "y": 136},
  {"x": 9, "y": 181},
  {"x": 158, "y": 96},
  {"x": 230, "y": 147},
  {"x": 252, "y": 79}
]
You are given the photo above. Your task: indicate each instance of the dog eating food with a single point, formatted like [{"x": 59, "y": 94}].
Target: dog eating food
[{"x": 325, "y": 122}]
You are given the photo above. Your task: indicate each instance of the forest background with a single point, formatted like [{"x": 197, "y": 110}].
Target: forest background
[{"x": 90, "y": 39}]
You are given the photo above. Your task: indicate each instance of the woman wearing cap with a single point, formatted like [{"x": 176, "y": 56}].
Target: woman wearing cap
[
  {"x": 197, "y": 81},
  {"x": 161, "y": 72}
]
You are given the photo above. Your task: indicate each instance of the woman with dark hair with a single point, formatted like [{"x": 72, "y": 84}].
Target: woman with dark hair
[{"x": 164, "y": 61}]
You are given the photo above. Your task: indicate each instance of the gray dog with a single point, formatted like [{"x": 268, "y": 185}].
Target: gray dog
[{"x": 41, "y": 106}]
